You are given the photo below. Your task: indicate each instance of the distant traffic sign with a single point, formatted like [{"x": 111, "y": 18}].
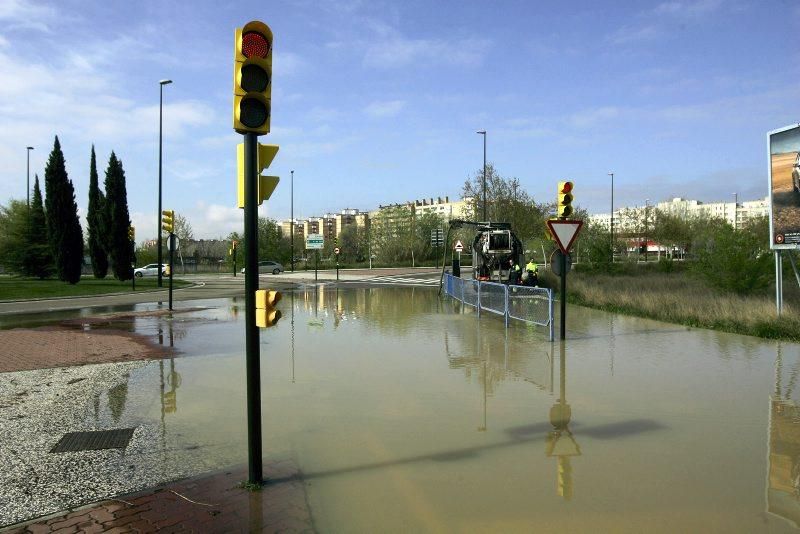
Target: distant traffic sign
[
  {"x": 564, "y": 232},
  {"x": 459, "y": 246},
  {"x": 315, "y": 241},
  {"x": 336, "y": 250}
]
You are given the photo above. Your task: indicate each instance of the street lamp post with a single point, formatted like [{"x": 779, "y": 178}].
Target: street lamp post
[
  {"x": 736, "y": 211},
  {"x": 291, "y": 216},
  {"x": 29, "y": 176},
  {"x": 161, "y": 85},
  {"x": 611, "y": 174},
  {"x": 483, "y": 133},
  {"x": 646, "y": 226}
]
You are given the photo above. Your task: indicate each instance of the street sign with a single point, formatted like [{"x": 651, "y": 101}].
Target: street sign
[
  {"x": 336, "y": 250},
  {"x": 315, "y": 241},
  {"x": 173, "y": 238},
  {"x": 555, "y": 262},
  {"x": 459, "y": 246},
  {"x": 564, "y": 232}
]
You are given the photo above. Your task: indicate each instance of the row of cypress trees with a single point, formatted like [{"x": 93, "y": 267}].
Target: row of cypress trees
[{"x": 60, "y": 248}]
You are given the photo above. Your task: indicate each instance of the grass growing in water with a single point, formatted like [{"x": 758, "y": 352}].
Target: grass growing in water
[{"x": 679, "y": 298}]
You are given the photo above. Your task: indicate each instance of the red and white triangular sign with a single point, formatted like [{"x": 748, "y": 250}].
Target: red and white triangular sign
[
  {"x": 564, "y": 232},
  {"x": 459, "y": 246}
]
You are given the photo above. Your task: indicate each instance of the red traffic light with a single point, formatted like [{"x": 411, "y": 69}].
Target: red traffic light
[
  {"x": 566, "y": 187},
  {"x": 255, "y": 45}
]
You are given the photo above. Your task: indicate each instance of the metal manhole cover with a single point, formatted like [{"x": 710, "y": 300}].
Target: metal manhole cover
[{"x": 94, "y": 440}]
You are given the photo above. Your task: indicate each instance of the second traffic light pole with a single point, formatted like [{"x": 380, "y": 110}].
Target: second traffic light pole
[{"x": 252, "y": 348}]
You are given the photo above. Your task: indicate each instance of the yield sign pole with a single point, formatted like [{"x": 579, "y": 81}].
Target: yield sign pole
[{"x": 564, "y": 231}]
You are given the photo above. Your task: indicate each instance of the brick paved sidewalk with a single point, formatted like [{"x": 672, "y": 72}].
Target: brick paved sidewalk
[{"x": 220, "y": 505}]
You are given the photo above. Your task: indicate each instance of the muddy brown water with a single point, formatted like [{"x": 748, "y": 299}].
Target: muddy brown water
[{"x": 406, "y": 413}]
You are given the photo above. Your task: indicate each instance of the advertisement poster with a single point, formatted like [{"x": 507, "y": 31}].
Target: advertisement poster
[{"x": 784, "y": 187}]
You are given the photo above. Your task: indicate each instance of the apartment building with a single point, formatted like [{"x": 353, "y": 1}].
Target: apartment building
[{"x": 735, "y": 213}]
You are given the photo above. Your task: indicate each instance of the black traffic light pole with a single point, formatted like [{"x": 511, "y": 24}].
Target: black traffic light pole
[
  {"x": 234, "y": 260},
  {"x": 171, "y": 239},
  {"x": 563, "y": 296},
  {"x": 252, "y": 348}
]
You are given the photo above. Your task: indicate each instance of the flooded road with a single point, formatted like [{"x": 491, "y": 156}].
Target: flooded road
[{"x": 406, "y": 413}]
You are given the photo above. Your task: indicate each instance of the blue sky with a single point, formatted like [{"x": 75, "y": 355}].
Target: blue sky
[{"x": 377, "y": 102}]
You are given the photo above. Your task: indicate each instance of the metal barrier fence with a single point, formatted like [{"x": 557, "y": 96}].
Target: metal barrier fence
[{"x": 528, "y": 304}]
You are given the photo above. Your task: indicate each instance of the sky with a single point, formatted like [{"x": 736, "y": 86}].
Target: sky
[{"x": 378, "y": 102}]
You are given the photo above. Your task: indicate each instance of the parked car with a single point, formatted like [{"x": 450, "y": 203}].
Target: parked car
[
  {"x": 269, "y": 267},
  {"x": 150, "y": 270}
]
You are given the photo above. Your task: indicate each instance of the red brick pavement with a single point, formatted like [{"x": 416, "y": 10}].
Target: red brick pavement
[
  {"x": 39, "y": 348},
  {"x": 220, "y": 504}
]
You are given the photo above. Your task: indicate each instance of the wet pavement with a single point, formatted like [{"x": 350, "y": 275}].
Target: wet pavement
[{"x": 403, "y": 412}]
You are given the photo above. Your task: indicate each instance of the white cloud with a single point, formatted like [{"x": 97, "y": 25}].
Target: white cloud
[
  {"x": 691, "y": 9},
  {"x": 397, "y": 51},
  {"x": 23, "y": 14},
  {"x": 633, "y": 34},
  {"x": 586, "y": 119},
  {"x": 216, "y": 220},
  {"x": 388, "y": 108}
]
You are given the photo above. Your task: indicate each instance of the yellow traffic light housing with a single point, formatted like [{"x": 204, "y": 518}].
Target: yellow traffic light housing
[
  {"x": 252, "y": 78},
  {"x": 131, "y": 233},
  {"x": 168, "y": 221},
  {"x": 167, "y": 270},
  {"x": 170, "y": 400},
  {"x": 266, "y": 184},
  {"x": 565, "y": 198},
  {"x": 266, "y": 314}
]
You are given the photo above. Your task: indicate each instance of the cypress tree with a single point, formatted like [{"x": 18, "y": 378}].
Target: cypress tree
[
  {"x": 96, "y": 223},
  {"x": 63, "y": 226},
  {"x": 38, "y": 259},
  {"x": 120, "y": 249}
]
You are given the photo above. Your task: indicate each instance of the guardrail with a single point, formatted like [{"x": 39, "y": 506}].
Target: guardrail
[{"x": 532, "y": 305}]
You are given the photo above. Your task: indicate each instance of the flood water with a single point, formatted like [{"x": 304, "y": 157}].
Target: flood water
[{"x": 406, "y": 413}]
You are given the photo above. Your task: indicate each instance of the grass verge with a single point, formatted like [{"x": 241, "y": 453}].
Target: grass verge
[
  {"x": 678, "y": 298},
  {"x": 17, "y": 288}
]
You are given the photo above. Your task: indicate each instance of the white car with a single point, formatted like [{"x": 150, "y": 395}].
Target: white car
[
  {"x": 150, "y": 270},
  {"x": 269, "y": 267}
]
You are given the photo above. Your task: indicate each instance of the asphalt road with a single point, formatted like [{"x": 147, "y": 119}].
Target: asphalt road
[{"x": 208, "y": 286}]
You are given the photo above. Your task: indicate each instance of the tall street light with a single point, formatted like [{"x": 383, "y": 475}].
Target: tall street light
[
  {"x": 292, "y": 217},
  {"x": 611, "y": 174},
  {"x": 161, "y": 85},
  {"x": 735, "y": 210},
  {"x": 483, "y": 133},
  {"x": 29, "y": 176},
  {"x": 646, "y": 226}
]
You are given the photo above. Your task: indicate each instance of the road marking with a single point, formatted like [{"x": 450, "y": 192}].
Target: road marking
[{"x": 401, "y": 280}]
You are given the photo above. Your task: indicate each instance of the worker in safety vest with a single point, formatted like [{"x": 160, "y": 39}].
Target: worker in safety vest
[
  {"x": 515, "y": 273},
  {"x": 532, "y": 270}
]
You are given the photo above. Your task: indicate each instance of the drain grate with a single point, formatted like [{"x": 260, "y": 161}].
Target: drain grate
[{"x": 94, "y": 440}]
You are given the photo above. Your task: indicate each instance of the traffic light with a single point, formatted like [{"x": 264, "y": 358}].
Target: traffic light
[
  {"x": 252, "y": 78},
  {"x": 565, "y": 197},
  {"x": 167, "y": 270},
  {"x": 336, "y": 241},
  {"x": 266, "y": 314},
  {"x": 170, "y": 402},
  {"x": 131, "y": 233},
  {"x": 266, "y": 184},
  {"x": 168, "y": 221}
]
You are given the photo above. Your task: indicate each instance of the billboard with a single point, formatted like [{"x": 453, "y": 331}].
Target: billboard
[{"x": 784, "y": 187}]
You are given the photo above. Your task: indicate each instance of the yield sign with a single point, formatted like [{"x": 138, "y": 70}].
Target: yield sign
[{"x": 564, "y": 232}]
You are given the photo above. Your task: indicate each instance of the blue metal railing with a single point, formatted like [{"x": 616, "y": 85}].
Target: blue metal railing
[{"x": 532, "y": 305}]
